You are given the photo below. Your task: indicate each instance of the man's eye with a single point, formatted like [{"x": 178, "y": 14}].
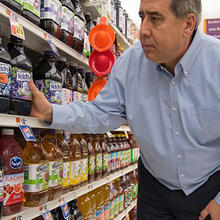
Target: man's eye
[
  {"x": 155, "y": 19},
  {"x": 142, "y": 18}
]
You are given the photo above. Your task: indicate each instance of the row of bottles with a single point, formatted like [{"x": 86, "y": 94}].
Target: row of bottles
[{"x": 55, "y": 164}]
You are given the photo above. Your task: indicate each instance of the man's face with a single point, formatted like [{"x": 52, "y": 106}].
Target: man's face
[{"x": 161, "y": 34}]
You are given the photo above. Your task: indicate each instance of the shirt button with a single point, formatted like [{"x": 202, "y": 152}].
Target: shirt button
[
  {"x": 179, "y": 156},
  {"x": 182, "y": 175},
  {"x": 173, "y": 82},
  {"x": 174, "y": 109},
  {"x": 185, "y": 187},
  {"x": 176, "y": 132}
]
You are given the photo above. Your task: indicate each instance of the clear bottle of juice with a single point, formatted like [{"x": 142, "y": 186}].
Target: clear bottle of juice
[
  {"x": 64, "y": 147},
  {"x": 99, "y": 203},
  {"x": 98, "y": 158},
  {"x": 121, "y": 195},
  {"x": 111, "y": 157},
  {"x": 55, "y": 157},
  {"x": 84, "y": 160},
  {"x": 84, "y": 205},
  {"x": 106, "y": 194},
  {"x": 111, "y": 203},
  {"x": 116, "y": 154},
  {"x": 116, "y": 199},
  {"x": 15, "y": 5},
  {"x": 75, "y": 213},
  {"x": 73, "y": 70},
  {"x": 91, "y": 158},
  {"x": 36, "y": 173},
  {"x": 5, "y": 76},
  {"x": 93, "y": 204},
  {"x": 75, "y": 152},
  {"x": 50, "y": 16},
  {"x": 21, "y": 72},
  {"x": 105, "y": 151},
  {"x": 11, "y": 154}
]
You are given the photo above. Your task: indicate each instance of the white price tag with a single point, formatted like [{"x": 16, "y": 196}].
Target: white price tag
[
  {"x": 109, "y": 134},
  {"x": 16, "y": 28}
]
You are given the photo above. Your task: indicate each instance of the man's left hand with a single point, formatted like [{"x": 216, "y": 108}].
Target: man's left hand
[{"x": 212, "y": 209}]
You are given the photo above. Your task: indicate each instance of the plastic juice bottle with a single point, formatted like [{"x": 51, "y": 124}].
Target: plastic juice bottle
[
  {"x": 124, "y": 185},
  {"x": 36, "y": 174},
  {"x": 129, "y": 194},
  {"x": 15, "y": 5},
  {"x": 111, "y": 203},
  {"x": 55, "y": 157},
  {"x": 109, "y": 153},
  {"x": 31, "y": 10},
  {"x": 133, "y": 185},
  {"x": 120, "y": 151},
  {"x": 50, "y": 16},
  {"x": 84, "y": 204},
  {"x": 98, "y": 158},
  {"x": 84, "y": 160},
  {"x": 47, "y": 78},
  {"x": 5, "y": 77},
  {"x": 79, "y": 80},
  {"x": 121, "y": 195},
  {"x": 119, "y": 15},
  {"x": 73, "y": 70},
  {"x": 67, "y": 22},
  {"x": 1, "y": 187},
  {"x": 93, "y": 204},
  {"x": 116, "y": 199},
  {"x": 11, "y": 154},
  {"x": 106, "y": 194},
  {"x": 75, "y": 150},
  {"x": 84, "y": 85},
  {"x": 99, "y": 204},
  {"x": 117, "y": 158},
  {"x": 91, "y": 158},
  {"x": 89, "y": 79},
  {"x": 64, "y": 147},
  {"x": 109, "y": 143},
  {"x": 105, "y": 151},
  {"x": 21, "y": 73},
  {"x": 75, "y": 213}
]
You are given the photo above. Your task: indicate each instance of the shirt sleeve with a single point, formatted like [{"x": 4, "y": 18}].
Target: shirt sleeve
[
  {"x": 105, "y": 113},
  {"x": 217, "y": 198}
]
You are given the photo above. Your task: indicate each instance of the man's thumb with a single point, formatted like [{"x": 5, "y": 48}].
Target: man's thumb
[
  {"x": 33, "y": 88},
  {"x": 204, "y": 213}
]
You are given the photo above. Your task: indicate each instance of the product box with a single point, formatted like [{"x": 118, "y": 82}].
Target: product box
[
  {"x": 51, "y": 89},
  {"x": 67, "y": 96}
]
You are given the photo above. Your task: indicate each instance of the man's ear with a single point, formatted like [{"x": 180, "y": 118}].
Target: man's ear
[{"x": 190, "y": 23}]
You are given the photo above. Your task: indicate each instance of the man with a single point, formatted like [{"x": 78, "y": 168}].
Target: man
[{"x": 167, "y": 87}]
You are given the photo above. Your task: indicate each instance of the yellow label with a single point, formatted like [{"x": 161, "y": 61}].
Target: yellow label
[
  {"x": 75, "y": 178},
  {"x": 66, "y": 174},
  {"x": 84, "y": 170}
]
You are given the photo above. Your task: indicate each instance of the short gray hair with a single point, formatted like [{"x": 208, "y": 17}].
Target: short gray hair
[{"x": 181, "y": 8}]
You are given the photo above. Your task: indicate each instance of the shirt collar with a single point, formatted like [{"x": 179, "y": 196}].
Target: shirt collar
[{"x": 189, "y": 57}]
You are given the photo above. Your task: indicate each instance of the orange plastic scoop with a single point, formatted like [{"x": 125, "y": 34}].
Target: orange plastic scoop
[
  {"x": 102, "y": 36},
  {"x": 95, "y": 88}
]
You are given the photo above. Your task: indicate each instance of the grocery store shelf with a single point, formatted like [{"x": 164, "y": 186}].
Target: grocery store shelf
[
  {"x": 126, "y": 211},
  {"x": 93, "y": 7},
  {"x": 29, "y": 213},
  {"x": 36, "y": 38}
]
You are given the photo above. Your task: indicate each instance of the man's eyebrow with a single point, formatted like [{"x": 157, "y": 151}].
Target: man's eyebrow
[{"x": 150, "y": 13}]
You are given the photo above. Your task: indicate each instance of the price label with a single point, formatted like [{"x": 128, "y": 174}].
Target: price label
[
  {"x": 27, "y": 132},
  {"x": 126, "y": 134},
  {"x": 109, "y": 134},
  {"x": 47, "y": 215},
  {"x": 53, "y": 47},
  {"x": 65, "y": 210},
  {"x": 16, "y": 29}
]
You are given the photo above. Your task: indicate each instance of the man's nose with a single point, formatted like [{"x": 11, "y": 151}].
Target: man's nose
[{"x": 145, "y": 29}]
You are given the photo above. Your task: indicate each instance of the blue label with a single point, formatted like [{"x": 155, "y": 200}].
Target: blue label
[
  {"x": 16, "y": 162},
  {"x": 47, "y": 215},
  {"x": 65, "y": 211},
  {"x": 27, "y": 132}
]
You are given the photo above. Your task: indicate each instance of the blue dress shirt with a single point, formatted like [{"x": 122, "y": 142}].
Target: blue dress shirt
[{"x": 176, "y": 120}]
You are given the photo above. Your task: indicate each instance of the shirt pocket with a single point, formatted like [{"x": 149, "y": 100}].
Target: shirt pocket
[{"x": 201, "y": 126}]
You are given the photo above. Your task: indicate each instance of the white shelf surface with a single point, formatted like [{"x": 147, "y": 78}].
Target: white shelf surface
[
  {"x": 29, "y": 213},
  {"x": 126, "y": 211},
  {"x": 36, "y": 38}
]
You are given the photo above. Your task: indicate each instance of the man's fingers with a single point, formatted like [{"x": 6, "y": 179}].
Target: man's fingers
[
  {"x": 33, "y": 88},
  {"x": 204, "y": 213}
]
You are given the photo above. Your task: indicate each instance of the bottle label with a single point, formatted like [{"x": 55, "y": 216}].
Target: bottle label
[
  {"x": 98, "y": 162},
  {"x": 19, "y": 84},
  {"x": 91, "y": 164},
  {"x": 1, "y": 186},
  {"x": 51, "y": 89},
  {"x": 105, "y": 161},
  {"x": 79, "y": 27},
  {"x": 75, "y": 173},
  {"x": 121, "y": 203},
  {"x": 112, "y": 210},
  {"x": 19, "y": 1},
  {"x": 55, "y": 173},
  {"x": 84, "y": 170},
  {"x": 116, "y": 206},
  {"x": 13, "y": 189},
  {"x": 36, "y": 177},
  {"x": 5, "y": 78},
  {"x": 99, "y": 214},
  {"x": 33, "y": 6},
  {"x": 51, "y": 9},
  {"x": 106, "y": 212},
  {"x": 67, "y": 21},
  {"x": 66, "y": 174},
  {"x": 117, "y": 160}
]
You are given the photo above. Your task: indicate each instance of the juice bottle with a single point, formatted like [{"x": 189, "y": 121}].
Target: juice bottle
[
  {"x": 91, "y": 158},
  {"x": 73, "y": 70},
  {"x": 50, "y": 16},
  {"x": 31, "y": 10},
  {"x": 111, "y": 154},
  {"x": 21, "y": 73},
  {"x": 129, "y": 193},
  {"x": 98, "y": 158},
  {"x": 121, "y": 195},
  {"x": 105, "y": 151},
  {"x": 47, "y": 78},
  {"x": 89, "y": 79},
  {"x": 5, "y": 77},
  {"x": 106, "y": 194},
  {"x": 120, "y": 145},
  {"x": 55, "y": 157},
  {"x": 75, "y": 213},
  {"x": 36, "y": 173},
  {"x": 99, "y": 203},
  {"x": 84, "y": 204},
  {"x": 84, "y": 160},
  {"x": 79, "y": 80},
  {"x": 15, "y": 5},
  {"x": 84, "y": 85},
  {"x": 111, "y": 203},
  {"x": 64, "y": 147},
  {"x": 93, "y": 204},
  {"x": 67, "y": 22},
  {"x": 11, "y": 154},
  {"x": 1, "y": 187},
  {"x": 116, "y": 154},
  {"x": 133, "y": 185},
  {"x": 75, "y": 152},
  {"x": 116, "y": 199}
]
